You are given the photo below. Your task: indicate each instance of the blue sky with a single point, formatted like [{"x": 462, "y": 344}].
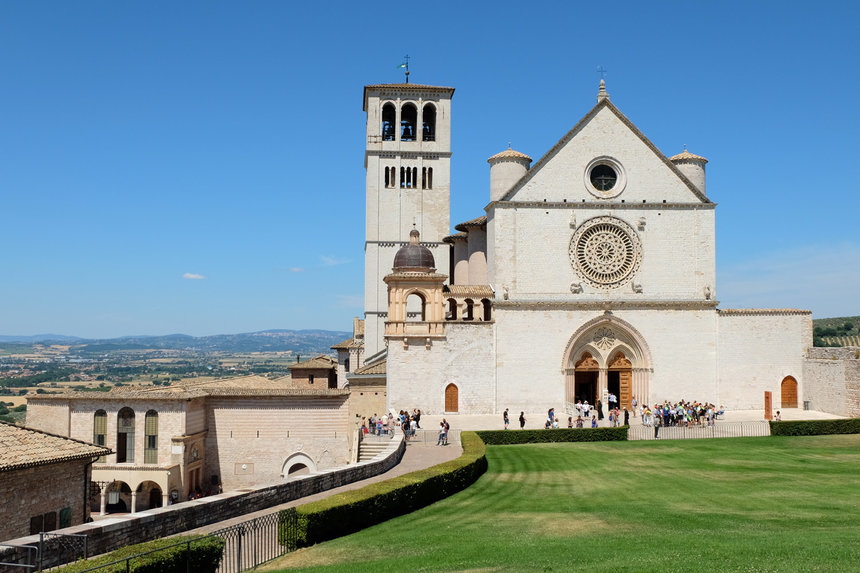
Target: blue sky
[{"x": 197, "y": 167}]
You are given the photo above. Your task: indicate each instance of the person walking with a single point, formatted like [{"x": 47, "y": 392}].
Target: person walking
[
  {"x": 506, "y": 419},
  {"x": 522, "y": 420}
]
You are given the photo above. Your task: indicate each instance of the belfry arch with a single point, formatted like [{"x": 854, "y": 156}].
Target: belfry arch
[{"x": 606, "y": 354}]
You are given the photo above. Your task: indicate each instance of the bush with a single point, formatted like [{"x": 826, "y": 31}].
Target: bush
[
  {"x": 354, "y": 510},
  {"x": 20, "y": 408},
  {"x": 815, "y": 427},
  {"x": 168, "y": 556},
  {"x": 507, "y": 437}
]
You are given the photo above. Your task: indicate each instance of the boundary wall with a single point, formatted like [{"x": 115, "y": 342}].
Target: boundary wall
[{"x": 112, "y": 533}]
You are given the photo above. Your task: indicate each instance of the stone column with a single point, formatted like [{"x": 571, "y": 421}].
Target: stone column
[
  {"x": 164, "y": 497},
  {"x": 103, "y": 504},
  {"x": 602, "y": 386},
  {"x": 133, "y": 501}
]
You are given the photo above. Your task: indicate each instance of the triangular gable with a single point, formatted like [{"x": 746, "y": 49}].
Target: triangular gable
[{"x": 578, "y": 127}]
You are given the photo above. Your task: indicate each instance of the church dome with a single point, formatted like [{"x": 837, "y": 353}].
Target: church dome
[{"x": 414, "y": 256}]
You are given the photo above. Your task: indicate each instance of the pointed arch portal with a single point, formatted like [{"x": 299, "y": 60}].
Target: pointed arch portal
[{"x": 606, "y": 355}]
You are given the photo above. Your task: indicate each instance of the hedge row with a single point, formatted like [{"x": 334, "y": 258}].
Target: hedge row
[
  {"x": 507, "y": 437},
  {"x": 170, "y": 555},
  {"x": 354, "y": 510},
  {"x": 815, "y": 427}
]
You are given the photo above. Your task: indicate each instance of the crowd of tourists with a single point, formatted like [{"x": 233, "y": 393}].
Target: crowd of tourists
[
  {"x": 406, "y": 422},
  {"x": 683, "y": 413}
]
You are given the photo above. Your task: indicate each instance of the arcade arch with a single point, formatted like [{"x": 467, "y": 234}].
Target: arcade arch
[{"x": 297, "y": 465}]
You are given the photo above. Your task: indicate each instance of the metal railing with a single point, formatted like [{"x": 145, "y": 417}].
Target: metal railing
[
  {"x": 247, "y": 544},
  {"x": 718, "y": 430},
  {"x": 18, "y": 557}
]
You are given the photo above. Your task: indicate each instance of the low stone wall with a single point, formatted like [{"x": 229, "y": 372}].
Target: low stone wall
[
  {"x": 831, "y": 379},
  {"x": 112, "y": 533}
]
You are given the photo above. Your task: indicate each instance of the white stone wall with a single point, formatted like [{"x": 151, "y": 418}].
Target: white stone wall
[
  {"x": 757, "y": 351},
  {"x": 832, "y": 380},
  {"x": 562, "y": 177},
  {"x": 531, "y": 347},
  {"x": 263, "y": 434},
  {"x": 417, "y": 376}
]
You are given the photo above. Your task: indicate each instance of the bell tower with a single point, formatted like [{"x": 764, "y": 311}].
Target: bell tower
[{"x": 408, "y": 171}]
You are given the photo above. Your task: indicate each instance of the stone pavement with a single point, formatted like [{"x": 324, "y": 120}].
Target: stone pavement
[
  {"x": 417, "y": 456},
  {"x": 535, "y": 420}
]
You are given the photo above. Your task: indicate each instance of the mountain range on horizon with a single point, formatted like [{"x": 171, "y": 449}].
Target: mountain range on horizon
[{"x": 274, "y": 340}]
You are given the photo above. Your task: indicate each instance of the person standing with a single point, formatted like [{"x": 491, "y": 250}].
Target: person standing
[
  {"x": 593, "y": 421},
  {"x": 522, "y": 420},
  {"x": 599, "y": 410},
  {"x": 506, "y": 419}
]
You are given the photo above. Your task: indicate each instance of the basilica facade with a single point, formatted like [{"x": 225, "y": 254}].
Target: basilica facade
[{"x": 591, "y": 272}]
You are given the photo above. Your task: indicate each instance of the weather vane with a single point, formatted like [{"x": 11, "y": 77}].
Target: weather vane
[{"x": 405, "y": 65}]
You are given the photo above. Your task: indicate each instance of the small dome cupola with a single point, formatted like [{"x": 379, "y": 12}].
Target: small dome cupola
[
  {"x": 414, "y": 256},
  {"x": 506, "y": 168},
  {"x": 692, "y": 166}
]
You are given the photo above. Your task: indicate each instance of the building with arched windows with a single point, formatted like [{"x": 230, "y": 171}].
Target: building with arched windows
[
  {"x": 199, "y": 437},
  {"x": 592, "y": 272}
]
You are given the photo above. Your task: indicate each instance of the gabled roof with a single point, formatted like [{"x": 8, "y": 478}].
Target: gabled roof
[
  {"x": 455, "y": 237},
  {"x": 25, "y": 447},
  {"x": 348, "y": 343},
  {"x": 575, "y": 130},
  {"x": 318, "y": 362},
  {"x": 476, "y": 291}
]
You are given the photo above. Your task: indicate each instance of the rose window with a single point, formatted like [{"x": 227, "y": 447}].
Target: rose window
[{"x": 605, "y": 251}]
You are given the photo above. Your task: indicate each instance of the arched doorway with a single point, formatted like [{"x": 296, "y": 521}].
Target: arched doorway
[
  {"x": 297, "y": 465},
  {"x": 789, "y": 392},
  {"x": 452, "y": 398},
  {"x": 619, "y": 379},
  {"x": 585, "y": 378}
]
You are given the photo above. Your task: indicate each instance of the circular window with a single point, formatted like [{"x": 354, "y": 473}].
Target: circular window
[
  {"x": 605, "y": 251},
  {"x": 604, "y": 178}
]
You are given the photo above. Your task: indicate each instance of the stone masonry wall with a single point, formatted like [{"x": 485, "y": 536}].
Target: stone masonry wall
[
  {"x": 110, "y": 534},
  {"x": 35, "y": 491},
  {"x": 832, "y": 380}
]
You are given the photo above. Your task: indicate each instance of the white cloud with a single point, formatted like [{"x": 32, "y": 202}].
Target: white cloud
[
  {"x": 824, "y": 279},
  {"x": 296, "y": 270},
  {"x": 193, "y": 276},
  {"x": 329, "y": 261}
]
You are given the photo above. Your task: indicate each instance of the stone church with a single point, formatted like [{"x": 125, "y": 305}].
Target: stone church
[{"x": 592, "y": 271}]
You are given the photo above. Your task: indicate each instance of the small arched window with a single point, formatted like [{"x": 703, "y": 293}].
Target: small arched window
[
  {"x": 452, "y": 309},
  {"x": 125, "y": 436},
  {"x": 428, "y": 120},
  {"x": 415, "y": 307},
  {"x": 488, "y": 312},
  {"x": 470, "y": 308},
  {"x": 100, "y": 431},
  {"x": 402, "y": 177},
  {"x": 408, "y": 122},
  {"x": 150, "y": 444},
  {"x": 429, "y": 178},
  {"x": 389, "y": 117}
]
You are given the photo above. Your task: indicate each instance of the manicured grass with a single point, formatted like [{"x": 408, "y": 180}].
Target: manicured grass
[{"x": 745, "y": 504}]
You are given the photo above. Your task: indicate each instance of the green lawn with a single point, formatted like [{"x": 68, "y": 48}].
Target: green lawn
[{"x": 745, "y": 504}]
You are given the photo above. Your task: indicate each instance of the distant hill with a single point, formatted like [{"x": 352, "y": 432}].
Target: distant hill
[
  {"x": 40, "y": 338},
  {"x": 838, "y": 331},
  {"x": 299, "y": 341}
]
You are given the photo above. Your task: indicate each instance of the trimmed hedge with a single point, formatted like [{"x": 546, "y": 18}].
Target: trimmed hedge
[
  {"x": 168, "y": 556},
  {"x": 508, "y": 437},
  {"x": 815, "y": 427},
  {"x": 354, "y": 510}
]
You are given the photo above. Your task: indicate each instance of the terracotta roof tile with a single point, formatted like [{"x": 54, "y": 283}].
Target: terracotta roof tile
[
  {"x": 24, "y": 447},
  {"x": 375, "y": 368},
  {"x": 477, "y": 291},
  {"x": 508, "y": 154},
  {"x": 321, "y": 361},
  {"x": 686, "y": 155},
  {"x": 478, "y": 222}
]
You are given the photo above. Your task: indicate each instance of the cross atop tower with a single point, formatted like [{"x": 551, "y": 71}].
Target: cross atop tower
[
  {"x": 602, "y": 71},
  {"x": 405, "y": 64}
]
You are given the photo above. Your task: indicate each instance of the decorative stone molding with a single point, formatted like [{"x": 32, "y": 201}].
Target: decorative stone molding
[
  {"x": 576, "y": 288},
  {"x": 520, "y": 304},
  {"x": 604, "y": 338}
]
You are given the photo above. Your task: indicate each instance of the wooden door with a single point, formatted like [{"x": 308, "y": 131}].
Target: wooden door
[
  {"x": 789, "y": 392},
  {"x": 451, "y": 399},
  {"x": 625, "y": 378}
]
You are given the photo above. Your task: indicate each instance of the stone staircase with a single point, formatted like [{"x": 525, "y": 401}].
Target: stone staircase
[{"x": 369, "y": 449}]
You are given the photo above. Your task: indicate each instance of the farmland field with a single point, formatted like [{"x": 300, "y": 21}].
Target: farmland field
[{"x": 742, "y": 504}]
